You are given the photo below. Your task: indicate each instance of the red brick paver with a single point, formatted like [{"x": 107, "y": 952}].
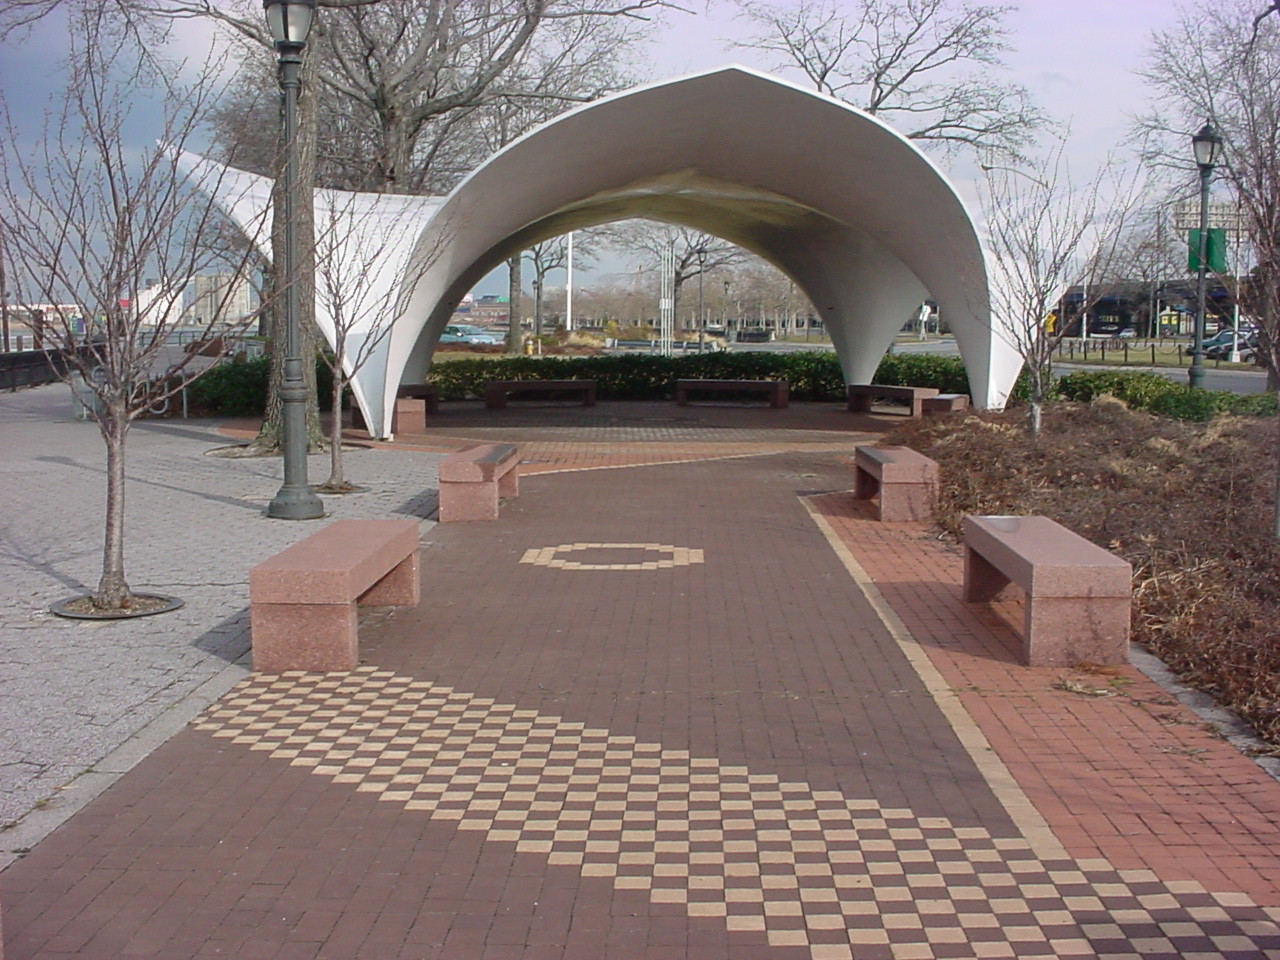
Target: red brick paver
[{"x": 704, "y": 708}]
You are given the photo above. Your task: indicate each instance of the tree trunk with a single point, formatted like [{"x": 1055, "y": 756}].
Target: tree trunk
[
  {"x": 515, "y": 337},
  {"x": 1275, "y": 514},
  {"x": 113, "y": 591},
  {"x": 269, "y": 436},
  {"x": 336, "y": 480}
]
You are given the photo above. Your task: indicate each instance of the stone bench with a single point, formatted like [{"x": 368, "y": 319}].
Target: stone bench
[
  {"x": 778, "y": 391},
  {"x": 413, "y": 402},
  {"x": 1077, "y": 594},
  {"x": 497, "y": 392},
  {"x": 302, "y": 601},
  {"x": 472, "y": 481},
  {"x": 906, "y": 481},
  {"x": 860, "y": 396},
  {"x": 945, "y": 403}
]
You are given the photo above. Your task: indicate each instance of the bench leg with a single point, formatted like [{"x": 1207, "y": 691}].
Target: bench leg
[
  {"x": 401, "y": 587},
  {"x": 682, "y": 397},
  {"x": 860, "y": 403},
  {"x": 1064, "y": 631},
  {"x": 304, "y": 636},
  {"x": 468, "y": 501},
  {"x": 982, "y": 581},
  {"x": 410, "y": 416},
  {"x": 907, "y": 502},
  {"x": 865, "y": 484},
  {"x": 509, "y": 483}
]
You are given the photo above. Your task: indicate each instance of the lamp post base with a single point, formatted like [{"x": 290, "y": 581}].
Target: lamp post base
[{"x": 294, "y": 503}]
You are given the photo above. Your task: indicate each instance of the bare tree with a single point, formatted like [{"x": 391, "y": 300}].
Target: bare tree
[
  {"x": 87, "y": 220},
  {"x": 552, "y": 255},
  {"x": 648, "y": 239},
  {"x": 924, "y": 66},
  {"x": 360, "y": 283},
  {"x": 1230, "y": 75},
  {"x": 1046, "y": 232}
]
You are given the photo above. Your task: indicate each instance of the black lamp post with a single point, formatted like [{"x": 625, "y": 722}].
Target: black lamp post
[
  {"x": 290, "y": 22},
  {"x": 1207, "y": 146},
  {"x": 701, "y": 253}
]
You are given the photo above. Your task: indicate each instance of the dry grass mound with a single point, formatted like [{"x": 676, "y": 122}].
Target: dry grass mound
[{"x": 1190, "y": 505}]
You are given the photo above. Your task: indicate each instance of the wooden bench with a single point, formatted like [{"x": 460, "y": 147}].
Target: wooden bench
[
  {"x": 906, "y": 481},
  {"x": 945, "y": 403},
  {"x": 1077, "y": 594},
  {"x": 778, "y": 391},
  {"x": 472, "y": 481},
  {"x": 860, "y": 396},
  {"x": 302, "y": 601},
  {"x": 497, "y": 392}
]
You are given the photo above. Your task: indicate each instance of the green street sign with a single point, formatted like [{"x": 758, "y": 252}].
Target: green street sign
[{"x": 1216, "y": 256}]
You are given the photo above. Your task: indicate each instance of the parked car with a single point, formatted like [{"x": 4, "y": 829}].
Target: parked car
[
  {"x": 1218, "y": 339},
  {"x": 466, "y": 333},
  {"x": 1248, "y": 347}
]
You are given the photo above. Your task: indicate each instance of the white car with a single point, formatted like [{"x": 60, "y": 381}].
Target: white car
[{"x": 466, "y": 333}]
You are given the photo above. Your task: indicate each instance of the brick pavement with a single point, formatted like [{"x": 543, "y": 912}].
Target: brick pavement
[{"x": 691, "y": 708}]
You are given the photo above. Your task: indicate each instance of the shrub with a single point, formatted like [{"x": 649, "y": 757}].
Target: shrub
[
  {"x": 1156, "y": 394},
  {"x": 238, "y": 388},
  {"x": 815, "y": 376}
]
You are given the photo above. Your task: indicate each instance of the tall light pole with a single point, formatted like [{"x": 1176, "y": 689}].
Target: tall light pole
[
  {"x": 290, "y": 22},
  {"x": 1206, "y": 146},
  {"x": 702, "y": 313}
]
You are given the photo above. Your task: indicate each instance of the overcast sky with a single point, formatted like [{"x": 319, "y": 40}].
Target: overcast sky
[{"x": 1077, "y": 57}]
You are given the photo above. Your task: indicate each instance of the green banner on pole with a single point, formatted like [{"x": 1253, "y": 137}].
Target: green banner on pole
[{"x": 1217, "y": 250}]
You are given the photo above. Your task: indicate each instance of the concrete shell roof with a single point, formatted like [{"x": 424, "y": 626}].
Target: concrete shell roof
[
  {"x": 862, "y": 221},
  {"x": 859, "y": 217}
]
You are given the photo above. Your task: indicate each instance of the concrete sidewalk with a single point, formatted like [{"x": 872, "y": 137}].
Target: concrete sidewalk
[
  {"x": 683, "y": 699},
  {"x": 73, "y": 693}
]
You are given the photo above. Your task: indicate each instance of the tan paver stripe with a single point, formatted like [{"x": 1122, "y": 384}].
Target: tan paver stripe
[
  {"x": 805, "y": 867},
  {"x": 553, "y": 556}
]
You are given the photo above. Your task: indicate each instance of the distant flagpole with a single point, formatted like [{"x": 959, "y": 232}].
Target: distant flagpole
[{"x": 568, "y": 286}]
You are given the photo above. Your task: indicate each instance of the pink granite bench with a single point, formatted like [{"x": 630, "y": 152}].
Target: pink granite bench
[
  {"x": 906, "y": 481},
  {"x": 945, "y": 403},
  {"x": 413, "y": 402},
  {"x": 473, "y": 480},
  {"x": 778, "y": 392},
  {"x": 1077, "y": 594},
  {"x": 302, "y": 601},
  {"x": 860, "y": 396}
]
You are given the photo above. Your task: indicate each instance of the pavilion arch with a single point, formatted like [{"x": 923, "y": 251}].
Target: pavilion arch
[
  {"x": 862, "y": 221},
  {"x": 852, "y": 211}
]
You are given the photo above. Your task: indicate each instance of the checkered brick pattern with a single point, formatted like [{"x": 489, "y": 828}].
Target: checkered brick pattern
[{"x": 844, "y": 878}]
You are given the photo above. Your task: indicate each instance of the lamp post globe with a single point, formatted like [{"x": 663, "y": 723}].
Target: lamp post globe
[
  {"x": 290, "y": 23},
  {"x": 1206, "y": 147}
]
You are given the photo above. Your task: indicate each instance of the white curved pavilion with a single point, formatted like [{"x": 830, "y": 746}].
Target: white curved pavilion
[{"x": 851, "y": 210}]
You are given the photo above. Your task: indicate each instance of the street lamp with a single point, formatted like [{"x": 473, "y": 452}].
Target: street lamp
[
  {"x": 290, "y": 22},
  {"x": 701, "y": 254},
  {"x": 1206, "y": 147}
]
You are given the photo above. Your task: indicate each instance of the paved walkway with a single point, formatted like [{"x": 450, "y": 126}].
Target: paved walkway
[{"x": 683, "y": 699}]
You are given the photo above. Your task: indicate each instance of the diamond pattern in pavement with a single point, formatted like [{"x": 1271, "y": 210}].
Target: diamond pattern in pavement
[{"x": 807, "y": 868}]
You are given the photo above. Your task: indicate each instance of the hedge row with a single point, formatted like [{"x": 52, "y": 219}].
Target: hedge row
[
  {"x": 814, "y": 376},
  {"x": 239, "y": 388},
  {"x": 1160, "y": 395}
]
